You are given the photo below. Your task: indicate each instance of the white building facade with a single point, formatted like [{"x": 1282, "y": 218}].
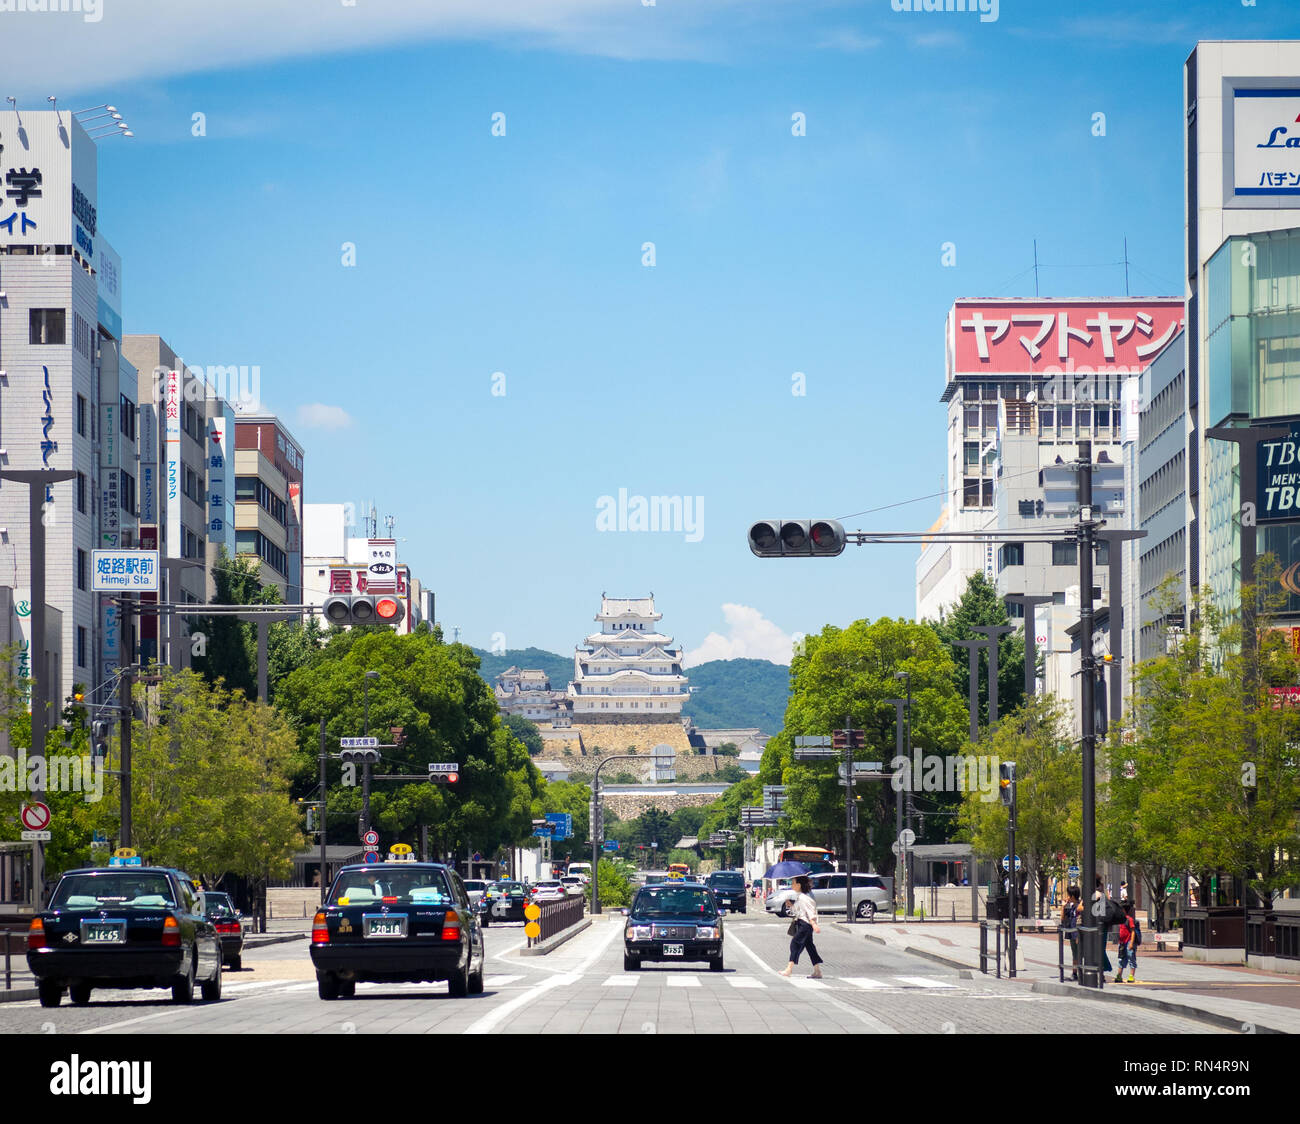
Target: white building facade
[{"x": 629, "y": 668}]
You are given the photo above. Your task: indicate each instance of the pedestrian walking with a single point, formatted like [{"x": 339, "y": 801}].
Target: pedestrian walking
[
  {"x": 1070, "y": 927},
  {"x": 803, "y": 910},
  {"x": 1130, "y": 936}
]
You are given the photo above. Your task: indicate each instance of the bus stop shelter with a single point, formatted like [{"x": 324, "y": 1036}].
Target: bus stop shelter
[{"x": 932, "y": 853}]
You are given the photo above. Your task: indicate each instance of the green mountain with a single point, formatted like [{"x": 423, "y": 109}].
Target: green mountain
[
  {"x": 739, "y": 693},
  {"x": 559, "y": 668},
  {"x": 725, "y": 694}
]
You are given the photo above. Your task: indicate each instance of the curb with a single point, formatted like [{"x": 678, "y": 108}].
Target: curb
[
  {"x": 923, "y": 953},
  {"x": 19, "y": 994},
  {"x": 552, "y": 943},
  {"x": 263, "y": 939},
  {"x": 1200, "y": 1014}
]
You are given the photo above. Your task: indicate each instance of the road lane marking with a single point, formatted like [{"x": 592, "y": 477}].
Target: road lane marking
[
  {"x": 500, "y": 981},
  {"x": 809, "y": 984},
  {"x": 746, "y": 981},
  {"x": 682, "y": 981},
  {"x": 867, "y": 1020},
  {"x": 488, "y": 1022},
  {"x": 622, "y": 981},
  {"x": 923, "y": 981},
  {"x": 864, "y": 983}
]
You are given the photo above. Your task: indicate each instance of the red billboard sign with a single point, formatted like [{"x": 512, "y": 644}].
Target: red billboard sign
[{"x": 1047, "y": 337}]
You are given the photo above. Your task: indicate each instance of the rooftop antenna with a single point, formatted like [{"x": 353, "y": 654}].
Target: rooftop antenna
[
  {"x": 389, "y": 522},
  {"x": 54, "y": 106},
  {"x": 372, "y": 524},
  {"x": 1035, "y": 267},
  {"x": 1126, "y": 293}
]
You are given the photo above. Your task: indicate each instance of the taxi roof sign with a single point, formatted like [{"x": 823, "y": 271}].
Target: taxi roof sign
[{"x": 401, "y": 852}]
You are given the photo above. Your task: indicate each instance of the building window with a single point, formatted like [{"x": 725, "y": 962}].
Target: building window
[
  {"x": 127, "y": 492},
  {"x": 986, "y": 493},
  {"x": 970, "y": 492},
  {"x": 127, "y": 416},
  {"x": 81, "y": 569},
  {"x": 48, "y": 326},
  {"x": 1067, "y": 417},
  {"x": 1011, "y": 554},
  {"x": 81, "y": 417},
  {"x": 81, "y": 492},
  {"x": 1065, "y": 554},
  {"x": 81, "y": 646}
]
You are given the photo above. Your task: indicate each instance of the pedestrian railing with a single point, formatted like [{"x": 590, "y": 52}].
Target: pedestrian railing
[
  {"x": 1070, "y": 936},
  {"x": 15, "y": 941},
  {"x": 556, "y": 916},
  {"x": 996, "y": 928}
]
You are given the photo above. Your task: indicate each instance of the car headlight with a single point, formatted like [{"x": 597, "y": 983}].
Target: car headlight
[
  {"x": 707, "y": 932},
  {"x": 639, "y": 932}
]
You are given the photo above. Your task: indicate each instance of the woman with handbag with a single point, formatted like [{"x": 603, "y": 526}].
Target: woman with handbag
[{"x": 803, "y": 910}]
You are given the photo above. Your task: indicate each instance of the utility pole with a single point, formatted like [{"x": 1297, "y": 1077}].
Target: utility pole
[
  {"x": 324, "y": 757},
  {"x": 848, "y": 818},
  {"x": 902, "y": 778},
  {"x": 1029, "y": 601},
  {"x": 1087, "y": 672},
  {"x": 973, "y": 646},
  {"x": 365, "y": 766},
  {"x": 994, "y": 633},
  {"x": 125, "y": 699}
]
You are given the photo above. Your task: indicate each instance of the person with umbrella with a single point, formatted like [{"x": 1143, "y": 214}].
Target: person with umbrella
[{"x": 803, "y": 910}]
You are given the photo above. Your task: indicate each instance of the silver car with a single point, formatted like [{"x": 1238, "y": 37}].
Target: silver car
[
  {"x": 830, "y": 892},
  {"x": 475, "y": 888}
]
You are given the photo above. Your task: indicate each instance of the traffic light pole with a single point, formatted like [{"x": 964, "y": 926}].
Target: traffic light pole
[
  {"x": 125, "y": 698},
  {"x": 848, "y": 818},
  {"x": 1013, "y": 882},
  {"x": 324, "y": 757},
  {"x": 1091, "y": 974}
]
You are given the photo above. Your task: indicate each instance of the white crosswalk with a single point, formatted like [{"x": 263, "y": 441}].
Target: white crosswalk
[
  {"x": 622, "y": 981},
  {"x": 676, "y": 980},
  {"x": 923, "y": 981},
  {"x": 743, "y": 982}
]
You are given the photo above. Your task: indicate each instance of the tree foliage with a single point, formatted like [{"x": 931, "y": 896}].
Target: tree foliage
[
  {"x": 527, "y": 732},
  {"x": 980, "y": 605}
]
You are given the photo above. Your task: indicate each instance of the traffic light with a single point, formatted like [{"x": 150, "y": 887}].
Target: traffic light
[
  {"x": 99, "y": 738},
  {"x": 359, "y": 756},
  {"x": 597, "y": 819},
  {"x": 797, "y": 538},
  {"x": 363, "y": 608},
  {"x": 846, "y": 739},
  {"x": 1007, "y": 781},
  {"x": 444, "y": 778}
]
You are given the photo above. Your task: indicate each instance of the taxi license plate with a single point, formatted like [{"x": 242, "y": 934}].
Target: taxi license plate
[
  {"x": 384, "y": 925},
  {"x": 673, "y": 950},
  {"x": 103, "y": 932}
]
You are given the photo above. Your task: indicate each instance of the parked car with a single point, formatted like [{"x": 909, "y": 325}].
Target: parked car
[
  {"x": 728, "y": 888},
  {"x": 123, "y": 927},
  {"x": 550, "y": 890},
  {"x": 830, "y": 892},
  {"x": 397, "y": 921},
  {"x": 573, "y": 884},
  {"x": 229, "y": 923},
  {"x": 673, "y": 921}
]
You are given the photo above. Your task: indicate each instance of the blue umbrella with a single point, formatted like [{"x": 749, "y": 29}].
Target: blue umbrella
[{"x": 786, "y": 870}]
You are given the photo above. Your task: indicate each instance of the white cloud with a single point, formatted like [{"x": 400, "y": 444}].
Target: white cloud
[
  {"x": 750, "y": 635},
  {"x": 847, "y": 39},
  {"x": 317, "y": 415},
  {"x": 143, "y": 39}
]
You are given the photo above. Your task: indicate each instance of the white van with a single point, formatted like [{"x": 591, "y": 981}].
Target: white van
[{"x": 582, "y": 870}]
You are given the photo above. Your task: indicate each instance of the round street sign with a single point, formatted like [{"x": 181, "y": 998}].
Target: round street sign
[
  {"x": 1006, "y": 864},
  {"x": 371, "y": 839},
  {"x": 907, "y": 837},
  {"x": 532, "y": 930},
  {"x": 1072, "y": 871},
  {"x": 895, "y": 848},
  {"x": 532, "y": 911},
  {"x": 372, "y": 856},
  {"x": 35, "y": 816}
]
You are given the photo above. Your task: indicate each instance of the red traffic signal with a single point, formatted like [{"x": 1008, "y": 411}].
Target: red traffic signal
[
  {"x": 797, "y": 538},
  {"x": 346, "y": 610},
  {"x": 389, "y": 610},
  {"x": 444, "y": 778}
]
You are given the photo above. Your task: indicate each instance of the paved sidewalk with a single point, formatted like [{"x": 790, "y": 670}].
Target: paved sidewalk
[{"x": 1231, "y": 996}]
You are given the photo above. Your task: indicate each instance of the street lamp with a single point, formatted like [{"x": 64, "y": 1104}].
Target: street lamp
[
  {"x": 598, "y": 821},
  {"x": 906, "y": 678}
]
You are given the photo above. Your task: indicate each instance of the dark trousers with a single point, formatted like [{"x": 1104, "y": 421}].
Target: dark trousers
[{"x": 803, "y": 939}]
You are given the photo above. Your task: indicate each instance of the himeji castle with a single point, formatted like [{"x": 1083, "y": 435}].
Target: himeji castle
[{"x": 629, "y": 670}]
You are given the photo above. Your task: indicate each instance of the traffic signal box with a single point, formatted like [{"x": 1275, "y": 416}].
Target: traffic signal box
[
  {"x": 1007, "y": 781},
  {"x": 847, "y": 739},
  {"x": 797, "y": 538},
  {"x": 363, "y": 608}
]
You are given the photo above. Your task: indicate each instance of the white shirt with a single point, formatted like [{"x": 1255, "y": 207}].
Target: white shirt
[{"x": 804, "y": 908}]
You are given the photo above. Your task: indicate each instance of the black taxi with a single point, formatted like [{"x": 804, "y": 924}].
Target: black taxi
[
  {"x": 673, "y": 921},
  {"x": 397, "y": 921},
  {"x": 124, "y": 927}
]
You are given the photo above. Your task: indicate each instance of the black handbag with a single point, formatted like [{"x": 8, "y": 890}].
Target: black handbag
[{"x": 794, "y": 928}]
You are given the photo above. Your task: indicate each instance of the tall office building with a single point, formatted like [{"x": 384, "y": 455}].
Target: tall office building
[
  {"x": 268, "y": 501},
  {"x": 68, "y": 396},
  {"x": 1243, "y": 290}
]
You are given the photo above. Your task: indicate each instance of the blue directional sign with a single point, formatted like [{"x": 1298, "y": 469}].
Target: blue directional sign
[
  {"x": 1006, "y": 862},
  {"x": 543, "y": 832},
  {"x": 611, "y": 844},
  {"x": 561, "y": 824}
]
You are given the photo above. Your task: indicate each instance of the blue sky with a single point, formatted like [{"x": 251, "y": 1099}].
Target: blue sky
[{"x": 522, "y": 254}]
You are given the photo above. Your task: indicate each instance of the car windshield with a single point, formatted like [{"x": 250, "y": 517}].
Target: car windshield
[
  {"x": 406, "y": 887},
  {"x": 506, "y": 887},
  {"x": 472, "y": 886},
  {"x": 218, "y": 905},
  {"x": 674, "y": 901},
  {"x": 114, "y": 891},
  {"x": 731, "y": 881}
]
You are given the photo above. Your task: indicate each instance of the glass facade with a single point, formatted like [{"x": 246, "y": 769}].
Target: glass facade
[{"x": 1253, "y": 373}]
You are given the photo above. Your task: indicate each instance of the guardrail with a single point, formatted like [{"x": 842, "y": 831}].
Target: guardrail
[{"x": 556, "y": 916}]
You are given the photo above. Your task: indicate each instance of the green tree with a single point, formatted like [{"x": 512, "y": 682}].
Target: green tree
[
  {"x": 1049, "y": 791},
  {"x": 653, "y": 826},
  {"x": 447, "y": 713},
  {"x": 727, "y": 749},
  {"x": 231, "y": 654},
  {"x": 527, "y": 732},
  {"x": 617, "y": 880},
  {"x": 851, "y": 671},
  {"x": 981, "y": 605}
]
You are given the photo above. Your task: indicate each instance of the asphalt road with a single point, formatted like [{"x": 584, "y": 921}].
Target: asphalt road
[{"x": 582, "y": 987}]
